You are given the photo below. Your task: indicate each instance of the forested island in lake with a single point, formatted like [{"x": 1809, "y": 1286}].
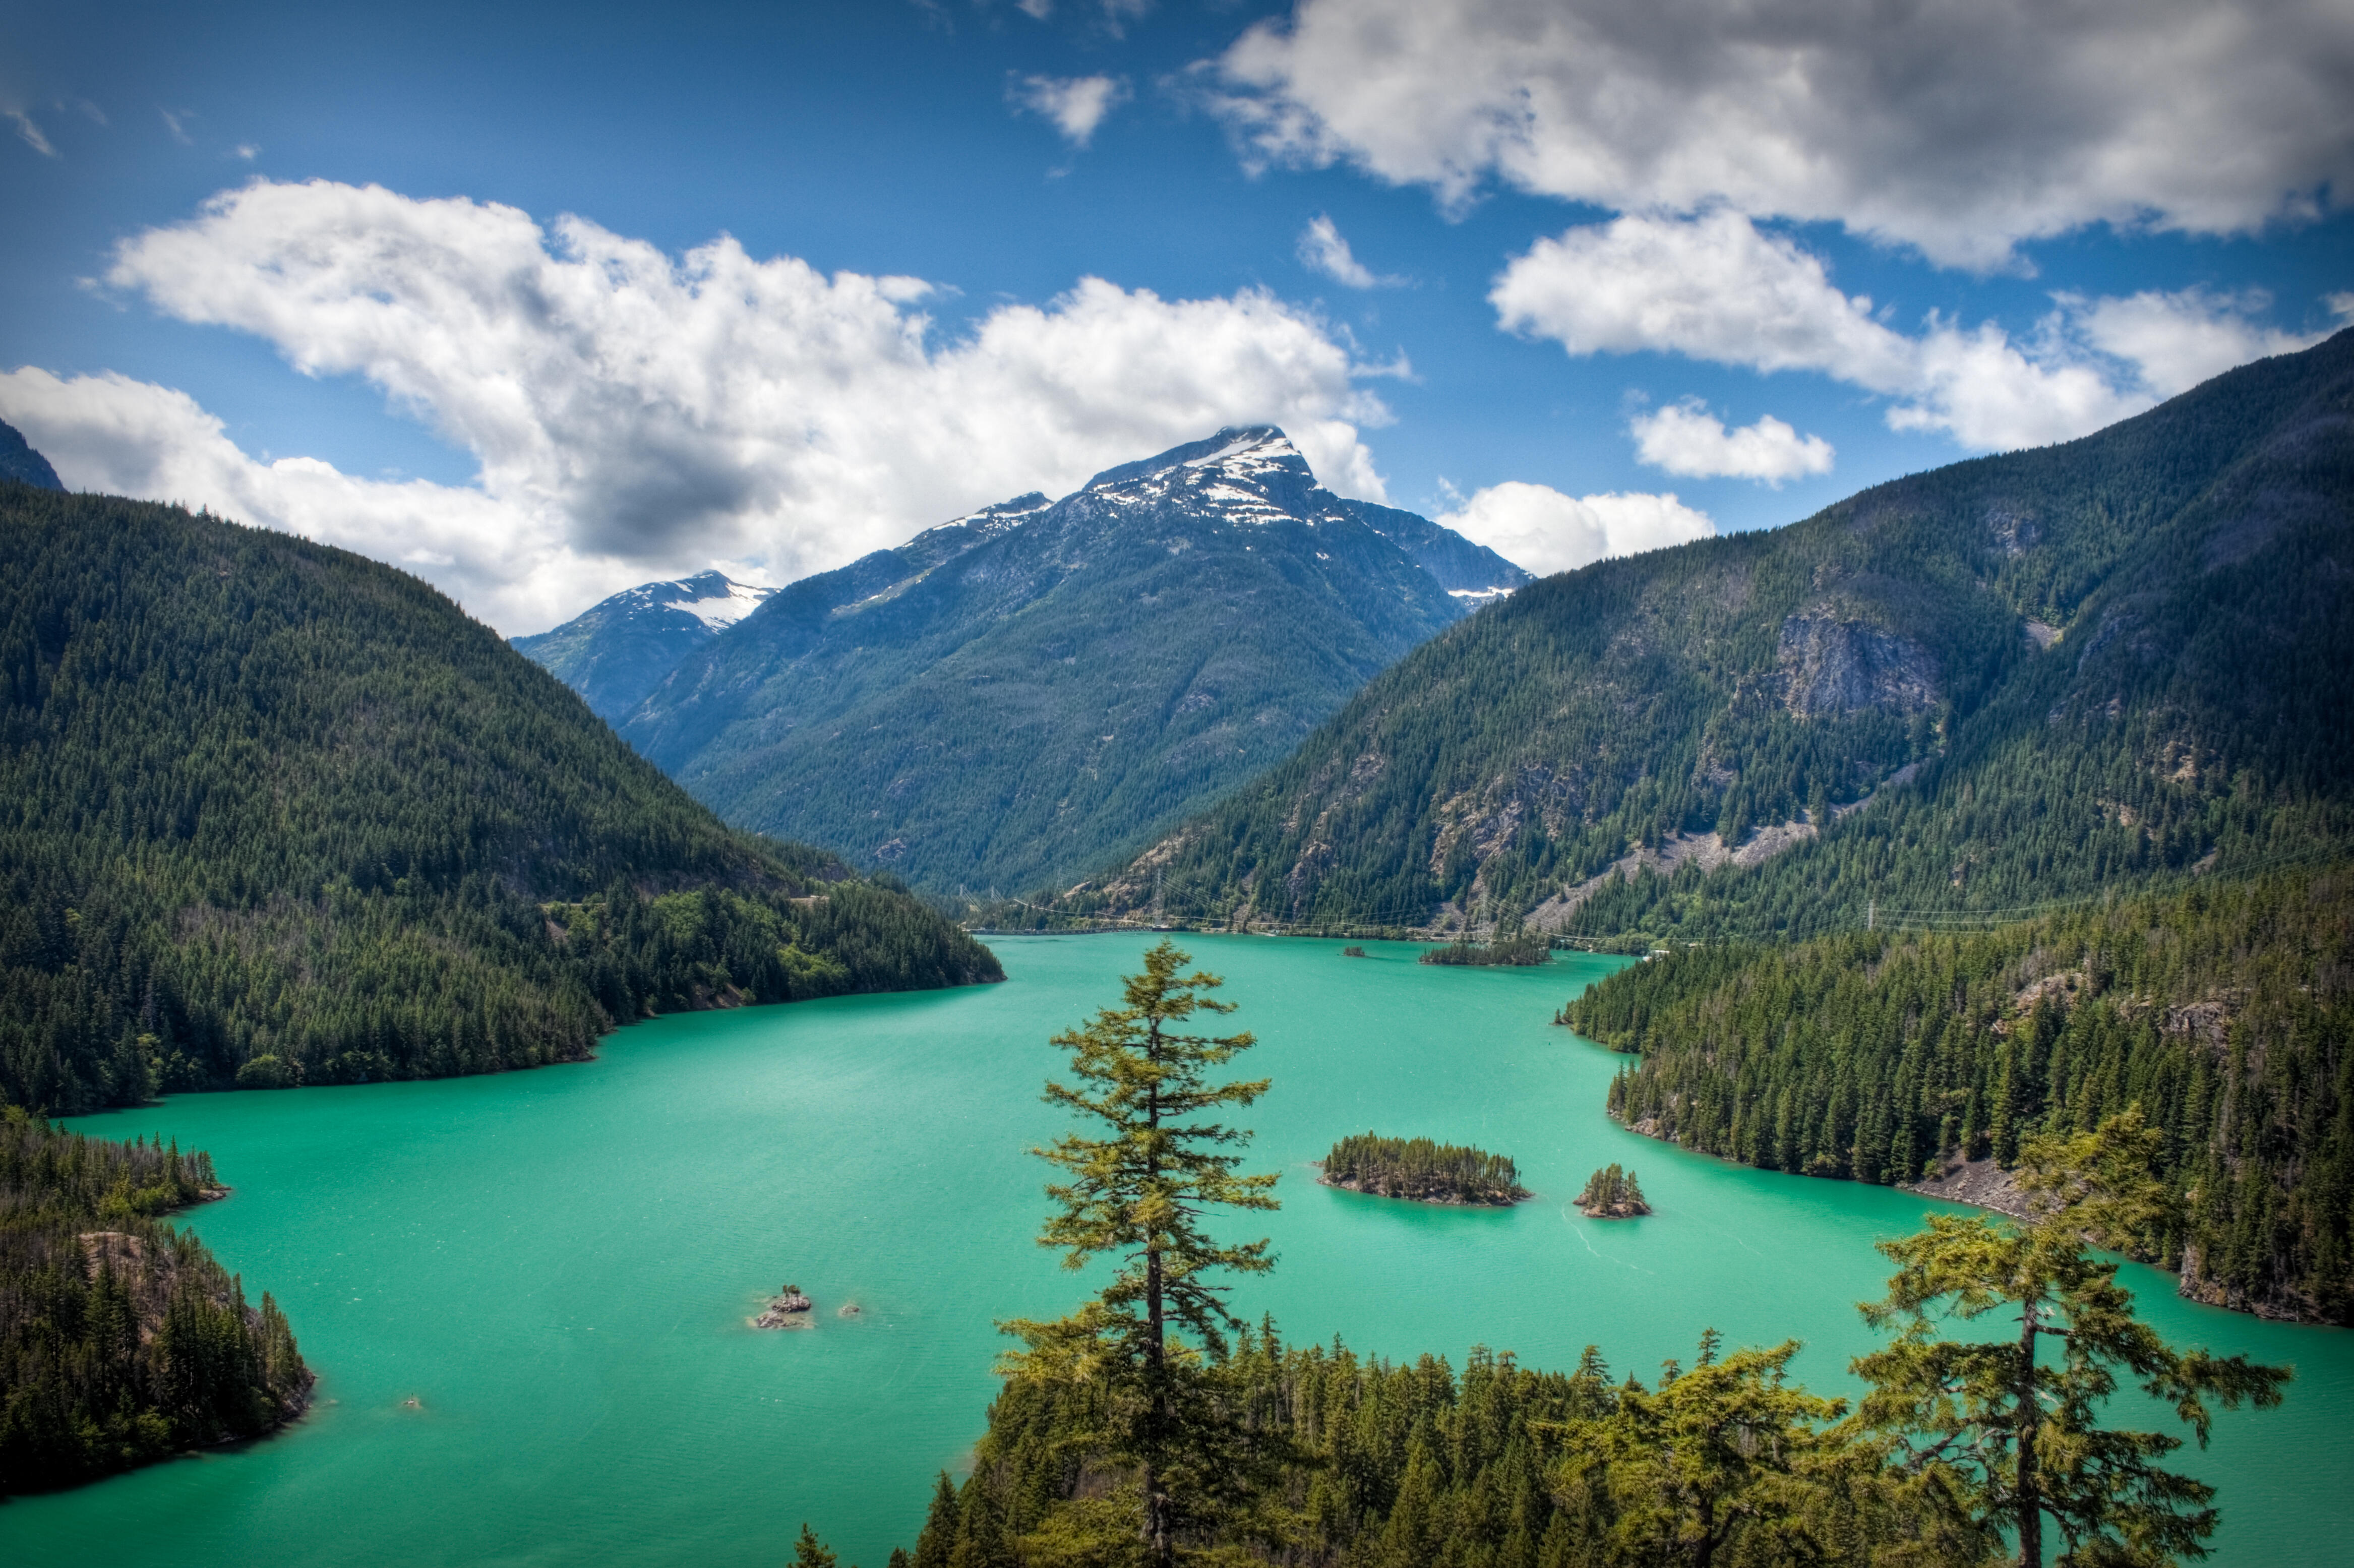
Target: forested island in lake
[
  {"x": 1612, "y": 1193},
  {"x": 1508, "y": 952},
  {"x": 122, "y": 1341},
  {"x": 1421, "y": 1170}
]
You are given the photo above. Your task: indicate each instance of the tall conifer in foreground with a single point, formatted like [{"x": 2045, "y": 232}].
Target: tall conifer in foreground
[
  {"x": 1141, "y": 1193},
  {"x": 2021, "y": 1431}
]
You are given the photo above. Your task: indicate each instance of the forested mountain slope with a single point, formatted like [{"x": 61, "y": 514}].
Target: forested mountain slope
[
  {"x": 2042, "y": 675},
  {"x": 2225, "y": 1013},
  {"x": 618, "y": 649},
  {"x": 1026, "y": 692},
  {"x": 272, "y": 813}
]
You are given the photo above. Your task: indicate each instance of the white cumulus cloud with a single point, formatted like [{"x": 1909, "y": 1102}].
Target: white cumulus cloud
[
  {"x": 1686, "y": 439},
  {"x": 2175, "y": 340},
  {"x": 1961, "y": 127},
  {"x": 1715, "y": 287},
  {"x": 1323, "y": 249},
  {"x": 1545, "y": 531},
  {"x": 110, "y": 434},
  {"x": 1075, "y": 105},
  {"x": 634, "y": 414}
]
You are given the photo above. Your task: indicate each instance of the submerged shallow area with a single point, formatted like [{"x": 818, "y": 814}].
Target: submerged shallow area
[{"x": 527, "y": 1295}]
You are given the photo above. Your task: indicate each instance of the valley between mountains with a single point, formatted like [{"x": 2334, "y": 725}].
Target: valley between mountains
[{"x": 2044, "y": 714}]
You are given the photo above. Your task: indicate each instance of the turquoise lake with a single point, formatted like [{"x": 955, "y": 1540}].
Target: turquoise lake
[{"x": 557, "y": 1268}]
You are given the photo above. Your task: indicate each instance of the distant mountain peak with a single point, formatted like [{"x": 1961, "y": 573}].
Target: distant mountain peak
[
  {"x": 1031, "y": 688},
  {"x": 1248, "y": 453},
  {"x": 713, "y": 598},
  {"x": 614, "y": 652},
  {"x": 1251, "y": 474}
]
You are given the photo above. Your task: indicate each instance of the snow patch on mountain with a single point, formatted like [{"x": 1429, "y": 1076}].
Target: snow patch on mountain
[{"x": 722, "y": 610}]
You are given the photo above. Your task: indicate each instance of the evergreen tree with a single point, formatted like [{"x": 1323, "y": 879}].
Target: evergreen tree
[
  {"x": 1141, "y": 1192},
  {"x": 809, "y": 1551},
  {"x": 2019, "y": 1432},
  {"x": 939, "y": 1534},
  {"x": 1726, "y": 1454}
]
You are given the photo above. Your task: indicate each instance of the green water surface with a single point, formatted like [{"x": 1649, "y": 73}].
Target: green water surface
[{"x": 557, "y": 1268}]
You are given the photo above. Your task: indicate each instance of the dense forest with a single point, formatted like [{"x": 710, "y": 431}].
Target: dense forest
[
  {"x": 2225, "y": 1013},
  {"x": 1420, "y": 1168},
  {"x": 270, "y": 813},
  {"x": 1375, "y": 1464},
  {"x": 2043, "y": 675},
  {"x": 121, "y": 1340}
]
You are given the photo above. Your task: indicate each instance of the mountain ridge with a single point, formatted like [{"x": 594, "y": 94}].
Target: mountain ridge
[
  {"x": 2187, "y": 563},
  {"x": 1021, "y": 691}
]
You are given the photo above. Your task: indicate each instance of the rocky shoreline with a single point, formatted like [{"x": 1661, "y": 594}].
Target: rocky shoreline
[
  {"x": 1443, "y": 1199},
  {"x": 1981, "y": 1184}
]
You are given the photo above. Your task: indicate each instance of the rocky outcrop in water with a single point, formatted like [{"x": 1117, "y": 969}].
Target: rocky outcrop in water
[{"x": 791, "y": 1310}]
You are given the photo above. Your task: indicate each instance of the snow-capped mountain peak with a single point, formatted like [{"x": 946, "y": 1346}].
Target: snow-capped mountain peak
[
  {"x": 713, "y": 598},
  {"x": 1250, "y": 475},
  {"x": 613, "y": 652}
]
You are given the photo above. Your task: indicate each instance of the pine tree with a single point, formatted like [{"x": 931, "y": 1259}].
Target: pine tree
[
  {"x": 2019, "y": 1437},
  {"x": 939, "y": 1532},
  {"x": 1141, "y": 1194},
  {"x": 1724, "y": 1449},
  {"x": 809, "y": 1551}
]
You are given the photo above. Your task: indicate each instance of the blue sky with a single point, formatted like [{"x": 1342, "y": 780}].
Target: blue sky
[{"x": 1566, "y": 222}]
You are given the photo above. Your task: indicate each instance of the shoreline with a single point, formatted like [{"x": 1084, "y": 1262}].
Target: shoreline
[
  {"x": 1981, "y": 1184},
  {"x": 1449, "y": 1202}
]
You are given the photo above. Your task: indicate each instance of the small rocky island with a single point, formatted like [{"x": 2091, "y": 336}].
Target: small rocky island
[
  {"x": 791, "y": 1310},
  {"x": 1422, "y": 1171},
  {"x": 1613, "y": 1194}
]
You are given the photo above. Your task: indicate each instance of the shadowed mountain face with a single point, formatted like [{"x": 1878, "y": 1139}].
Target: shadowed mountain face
[
  {"x": 616, "y": 652},
  {"x": 1027, "y": 692},
  {"x": 2024, "y": 678},
  {"x": 20, "y": 462}
]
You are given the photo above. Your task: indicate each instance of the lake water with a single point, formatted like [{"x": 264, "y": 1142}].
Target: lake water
[{"x": 557, "y": 1268}]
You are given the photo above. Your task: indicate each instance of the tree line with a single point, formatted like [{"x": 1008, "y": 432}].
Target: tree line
[{"x": 2223, "y": 1013}]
